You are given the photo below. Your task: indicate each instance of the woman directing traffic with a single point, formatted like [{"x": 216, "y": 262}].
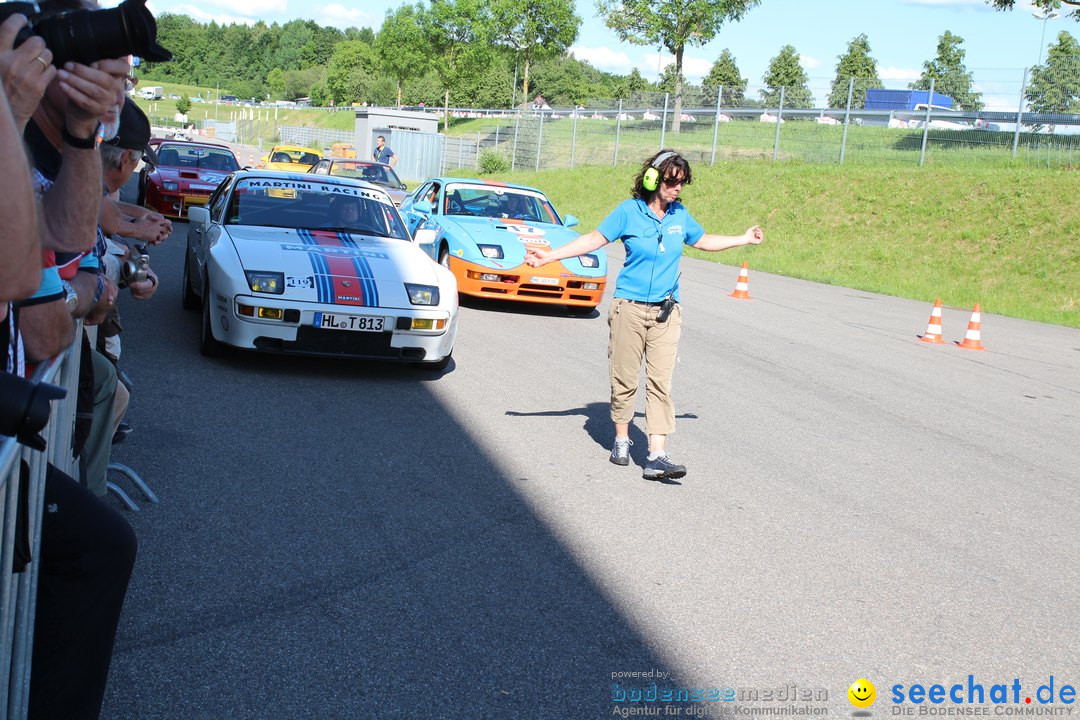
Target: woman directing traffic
[{"x": 645, "y": 316}]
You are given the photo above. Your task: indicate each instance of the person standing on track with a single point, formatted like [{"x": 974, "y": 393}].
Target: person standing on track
[{"x": 645, "y": 316}]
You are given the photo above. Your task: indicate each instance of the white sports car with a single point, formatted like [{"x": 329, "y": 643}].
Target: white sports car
[{"x": 315, "y": 265}]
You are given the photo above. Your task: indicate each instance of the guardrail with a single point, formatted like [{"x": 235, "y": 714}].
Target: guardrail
[{"x": 18, "y": 590}]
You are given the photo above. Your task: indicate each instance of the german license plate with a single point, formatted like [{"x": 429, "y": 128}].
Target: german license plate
[
  {"x": 360, "y": 323},
  {"x": 537, "y": 280}
]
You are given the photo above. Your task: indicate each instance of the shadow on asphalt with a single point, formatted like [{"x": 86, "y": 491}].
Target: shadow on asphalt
[
  {"x": 598, "y": 426},
  {"x": 332, "y": 543}
]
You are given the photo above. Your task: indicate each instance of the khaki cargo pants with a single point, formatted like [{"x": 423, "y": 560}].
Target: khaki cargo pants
[{"x": 636, "y": 336}]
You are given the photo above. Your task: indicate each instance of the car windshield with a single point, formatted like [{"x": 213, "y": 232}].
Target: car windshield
[
  {"x": 314, "y": 205},
  {"x": 201, "y": 157},
  {"x": 369, "y": 172},
  {"x": 300, "y": 157},
  {"x": 499, "y": 202}
]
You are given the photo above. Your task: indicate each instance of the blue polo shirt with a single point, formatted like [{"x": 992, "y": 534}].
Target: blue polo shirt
[
  {"x": 653, "y": 248},
  {"x": 383, "y": 155}
]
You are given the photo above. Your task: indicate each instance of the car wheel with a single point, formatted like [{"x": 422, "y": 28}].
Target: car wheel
[
  {"x": 444, "y": 257},
  {"x": 188, "y": 299},
  {"x": 208, "y": 346},
  {"x": 141, "y": 197}
]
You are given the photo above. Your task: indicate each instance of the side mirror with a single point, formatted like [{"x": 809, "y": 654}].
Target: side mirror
[
  {"x": 404, "y": 187},
  {"x": 422, "y": 206},
  {"x": 199, "y": 216},
  {"x": 570, "y": 221},
  {"x": 425, "y": 236}
]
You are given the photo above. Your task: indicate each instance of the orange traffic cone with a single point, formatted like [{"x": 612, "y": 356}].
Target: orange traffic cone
[
  {"x": 933, "y": 328},
  {"x": 742, "y": 289},
  {"x": 251, "y": 159},
  {"x": 973, "y": 338}
]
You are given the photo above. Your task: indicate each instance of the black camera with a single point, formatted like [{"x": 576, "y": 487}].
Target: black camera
[
  {"x": 24, "y": 408},
  {"x": 134, "y": 269},
  {"x": 86, "y": 36}
]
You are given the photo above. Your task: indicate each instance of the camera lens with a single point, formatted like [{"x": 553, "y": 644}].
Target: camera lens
[
  {"x": 24, "y": 408},
  {"x": 86, "y": 36}
]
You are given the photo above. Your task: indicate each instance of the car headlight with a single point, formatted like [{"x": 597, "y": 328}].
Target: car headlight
[
  {"x": 169, "y": 185},
  {"x": 266, "y": 282},
  {"x": 590, "y": 261},
  {"x": 491, "y": 251},
  {"x": 422, "y": 294}
]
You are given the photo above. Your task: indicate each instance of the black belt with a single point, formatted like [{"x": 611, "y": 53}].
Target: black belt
[{"x": 639, "y": 302}]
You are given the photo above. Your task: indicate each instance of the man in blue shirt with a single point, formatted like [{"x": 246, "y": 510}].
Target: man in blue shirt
[
  {"x": 382, "y": 153},
  {"x": 645, "y": 315}
]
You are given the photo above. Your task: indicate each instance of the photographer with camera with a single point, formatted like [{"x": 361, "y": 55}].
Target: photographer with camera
[
  {"x": 87, "y": 548},
  {"x": 645, "y": 316},
  {"x": 120, "y": 156}
]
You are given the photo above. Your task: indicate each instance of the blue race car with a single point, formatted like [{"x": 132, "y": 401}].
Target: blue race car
[{"x": 481, "y": 230}]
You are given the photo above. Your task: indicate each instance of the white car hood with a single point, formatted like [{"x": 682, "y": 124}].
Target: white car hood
[{"x": 336, "y": 268}]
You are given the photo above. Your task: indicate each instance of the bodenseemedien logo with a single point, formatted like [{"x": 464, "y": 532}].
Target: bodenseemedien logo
[{"x": 862, "y": 693}]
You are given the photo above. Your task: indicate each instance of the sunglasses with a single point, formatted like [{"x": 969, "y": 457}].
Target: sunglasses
[{"x": 673, "y": 182}]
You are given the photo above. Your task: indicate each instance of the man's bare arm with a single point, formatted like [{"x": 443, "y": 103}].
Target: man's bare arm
[
  {"x": 47, "y": 329},
  {"x": 20, "y": 246},
  {"x": 72, "y": 205}
]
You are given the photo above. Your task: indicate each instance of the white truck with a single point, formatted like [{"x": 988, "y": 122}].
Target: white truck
[{"x": 154, "y": 92}]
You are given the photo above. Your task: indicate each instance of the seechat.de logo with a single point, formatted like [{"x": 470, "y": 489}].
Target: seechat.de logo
[{"x": 862, "y": 693}]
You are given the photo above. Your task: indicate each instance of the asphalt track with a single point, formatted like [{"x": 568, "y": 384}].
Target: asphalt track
[{"x": 357, "y": 540}]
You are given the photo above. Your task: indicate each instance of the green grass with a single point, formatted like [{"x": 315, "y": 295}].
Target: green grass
[
  {"x": 1005, "y": 237},
  {"x": 800, "y": 141},
  {"x": 161, "y": 113}
]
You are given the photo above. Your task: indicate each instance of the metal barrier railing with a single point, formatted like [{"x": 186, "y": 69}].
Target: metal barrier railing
[{"x": 18, "y": 591}]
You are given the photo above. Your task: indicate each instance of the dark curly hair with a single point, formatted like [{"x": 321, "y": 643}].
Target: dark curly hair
[{"x": 674, "y": 161}]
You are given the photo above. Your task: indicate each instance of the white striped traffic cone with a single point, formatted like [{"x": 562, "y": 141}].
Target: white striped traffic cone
[
  {"x": 973, "y": 337},
  {"x": 933, "y": 328},
  {"x": 742, "y": 287}
]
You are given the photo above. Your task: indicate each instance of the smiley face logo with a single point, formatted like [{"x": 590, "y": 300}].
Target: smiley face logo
[{"x": 862, "y": 693}]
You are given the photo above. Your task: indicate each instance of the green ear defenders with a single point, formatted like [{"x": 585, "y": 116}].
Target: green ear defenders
[{"x": 651, "y": 179}]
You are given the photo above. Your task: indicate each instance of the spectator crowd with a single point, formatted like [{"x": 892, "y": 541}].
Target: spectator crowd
[{"x": 70, "y": 251}]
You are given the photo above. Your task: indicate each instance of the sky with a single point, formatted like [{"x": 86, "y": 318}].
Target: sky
[{"x": 903, "y": 35}]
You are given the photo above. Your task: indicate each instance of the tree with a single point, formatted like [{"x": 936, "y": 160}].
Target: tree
[
  {"x": 1055, "y": 86},
  {"x": 352, "y": 68},
  {"x": 458, "y": 32},
  {"x": 275, "y": 80},
  {"x": 724, "y": 73},
  {"x": 534, "y": 29},
  {"x": 857, "y": 64},
  {"x": 691, "y": 94},
  {"x": 949, "y": 74},
  {"x": 1044, "y": 5},
  {"x": 673, "y": 24},
  {"x": 183, "y": 104},
  {"x": 786, "y": 72},
  {"x": 298, "y": 83},
  {"x": 401, "y": 47}
]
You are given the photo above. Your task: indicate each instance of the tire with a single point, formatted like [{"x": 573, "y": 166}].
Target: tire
[
  {"x": 444, "y": 257},
  {"x": 141, "y": 196},
  {"x": 188, "y": 299},
  {"x": 208, "y": 345}
]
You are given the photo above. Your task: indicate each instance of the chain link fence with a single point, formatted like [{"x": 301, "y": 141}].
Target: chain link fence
[{"x": 1017, "y": 122}]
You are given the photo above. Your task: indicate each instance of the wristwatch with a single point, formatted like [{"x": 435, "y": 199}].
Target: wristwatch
[
  {"x": 70, "y": 297},
  {"x": 83, "y": 143}
]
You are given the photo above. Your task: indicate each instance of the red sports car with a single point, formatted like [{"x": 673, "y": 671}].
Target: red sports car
[{"x": 186, "y": 174}]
